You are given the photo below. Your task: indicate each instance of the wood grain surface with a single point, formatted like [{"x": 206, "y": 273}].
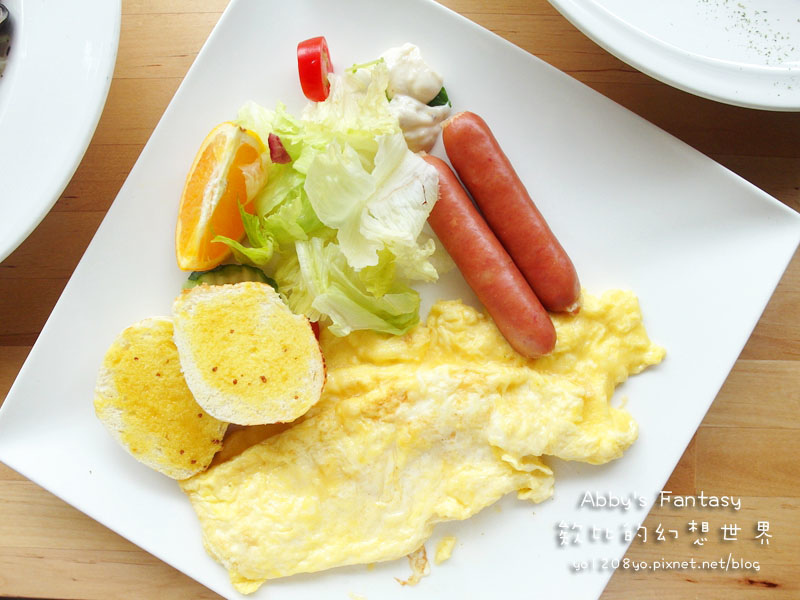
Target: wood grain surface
[{"x": 747, "y": 446}]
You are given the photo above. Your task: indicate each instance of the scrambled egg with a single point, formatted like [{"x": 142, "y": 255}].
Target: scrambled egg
[
  {"x": 417, "y": 429},
  {"x": 444, "y": 549}
]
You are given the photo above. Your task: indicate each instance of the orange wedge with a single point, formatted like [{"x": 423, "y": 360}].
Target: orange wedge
[{"x": 228, "y": 171}]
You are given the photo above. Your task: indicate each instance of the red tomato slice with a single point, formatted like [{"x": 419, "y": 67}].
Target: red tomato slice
[{"x": 314, "y": 64}]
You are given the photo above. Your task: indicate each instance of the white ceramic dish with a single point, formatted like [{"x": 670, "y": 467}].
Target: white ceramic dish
[
  {"x": 742, "y": 52},
  {"x": 51, "y": 96},
  {"x": 652, "y": 215}
]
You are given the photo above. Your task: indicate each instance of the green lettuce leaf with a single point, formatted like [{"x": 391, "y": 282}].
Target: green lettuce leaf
[
  {"x": 386, "y": 208},
  {"x": 321, "y": 282},
  {"x": 340, "y": 226}
]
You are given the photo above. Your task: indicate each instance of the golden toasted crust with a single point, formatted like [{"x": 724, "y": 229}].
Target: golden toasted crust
[
  {"x": 143, "y": 400},
  {"x": 246, "y": 357}
]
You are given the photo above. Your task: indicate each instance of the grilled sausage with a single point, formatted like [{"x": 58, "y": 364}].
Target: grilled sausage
[
  {"x": 488, "y": 269},
  {"x": 496, "y": 188}
]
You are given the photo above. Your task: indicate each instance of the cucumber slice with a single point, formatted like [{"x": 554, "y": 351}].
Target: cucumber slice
[
  {"x": 228, "y": 274},
  {"x": 440, "y": 99}
]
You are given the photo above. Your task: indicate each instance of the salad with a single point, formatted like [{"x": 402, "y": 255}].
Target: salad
[{"x": 331, "y": 204}]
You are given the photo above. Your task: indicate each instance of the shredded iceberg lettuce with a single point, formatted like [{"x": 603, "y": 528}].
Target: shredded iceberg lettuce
[
  {"x": 386, "y": 208},
  {"x": 340, "y": 226}
]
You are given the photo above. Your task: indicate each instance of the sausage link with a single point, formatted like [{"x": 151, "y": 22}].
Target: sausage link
[
  {"x": 507, "y": 207},
  {"x": 488, "y": 269}
]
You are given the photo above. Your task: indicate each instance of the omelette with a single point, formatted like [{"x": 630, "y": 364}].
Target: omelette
[{"x": 414, "y": 430}]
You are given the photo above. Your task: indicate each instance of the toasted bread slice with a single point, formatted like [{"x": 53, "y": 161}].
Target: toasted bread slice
[
  {"x": 246, "y": 357},
  {"x": 143, "y": 400}
]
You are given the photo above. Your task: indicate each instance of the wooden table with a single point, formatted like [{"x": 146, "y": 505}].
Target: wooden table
[{"x": 747, "y": 446}]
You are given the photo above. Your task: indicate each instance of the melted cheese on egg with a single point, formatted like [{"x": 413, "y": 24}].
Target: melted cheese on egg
[{"x": 417, "y": 429}]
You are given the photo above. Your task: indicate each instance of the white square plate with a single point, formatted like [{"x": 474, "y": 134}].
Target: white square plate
[{"x": 635, "y": 208}]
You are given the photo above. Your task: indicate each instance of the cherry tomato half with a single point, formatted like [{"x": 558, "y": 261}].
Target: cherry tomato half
[{"x": 314, "y": 64}]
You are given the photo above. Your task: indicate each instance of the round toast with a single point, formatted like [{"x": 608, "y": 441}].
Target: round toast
[
  {"x": 247, "y": 358},
  {"x": 143, "y": 400}
]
